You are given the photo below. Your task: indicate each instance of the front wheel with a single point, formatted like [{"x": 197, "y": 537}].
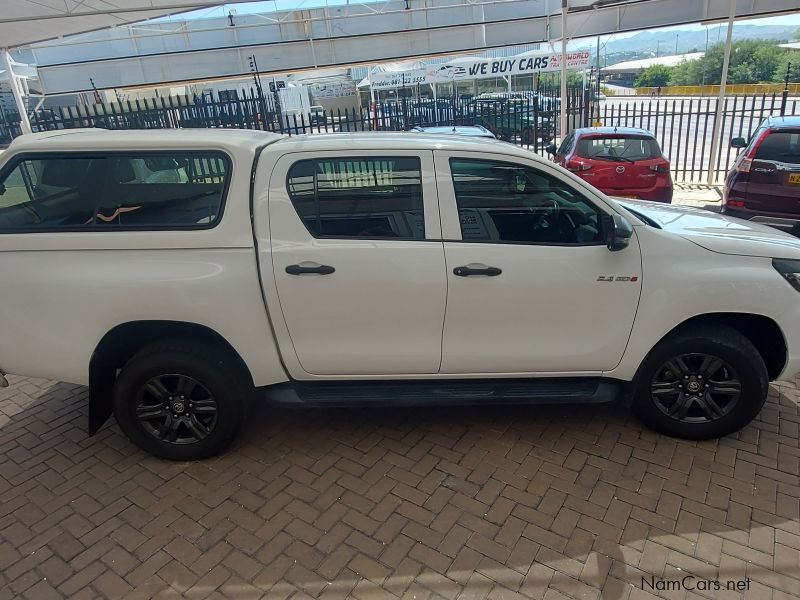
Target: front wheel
[
  {"x": 700, "y": 383},
  {"x": 181, "y": 400}
]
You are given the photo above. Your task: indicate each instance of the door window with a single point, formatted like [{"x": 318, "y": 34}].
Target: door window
[
  {"x": 501, "y": 202},
  {"x": 181, "y": 190},
  {"x": 369, "y": 197}
]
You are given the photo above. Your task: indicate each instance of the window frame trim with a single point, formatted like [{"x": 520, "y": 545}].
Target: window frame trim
[
  {"x": 450, "y": 157},
  {"x": 21, "y": 157},
  {"x": 316, "y": 159}
]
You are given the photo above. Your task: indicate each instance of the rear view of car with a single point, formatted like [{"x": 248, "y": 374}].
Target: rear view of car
[
  {"x": 618, "y": 161},
  {"x": 764, "y": 183}
]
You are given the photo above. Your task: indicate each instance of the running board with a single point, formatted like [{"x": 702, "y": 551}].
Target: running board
[{"x": 584, "y": 390}]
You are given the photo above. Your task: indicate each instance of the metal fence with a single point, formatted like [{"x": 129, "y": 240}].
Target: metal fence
[
  {"x": 684, "y": 127},
  {"x": 530, "y": 119}
]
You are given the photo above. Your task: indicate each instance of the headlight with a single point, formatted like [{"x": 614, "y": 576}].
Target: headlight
[{"x": 790, "y": 269}]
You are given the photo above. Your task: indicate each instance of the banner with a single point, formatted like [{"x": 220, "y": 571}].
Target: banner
[
  {"x": 499, "y": 67},
  {"x": 395, "y": 79},
  {"x": 482, "y": 68}
]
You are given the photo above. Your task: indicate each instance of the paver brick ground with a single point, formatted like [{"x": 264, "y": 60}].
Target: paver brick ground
[{"x": 496, "y": 502}]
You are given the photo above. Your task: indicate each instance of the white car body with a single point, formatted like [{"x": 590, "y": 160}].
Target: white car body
[{"x": 394, "y": 309}]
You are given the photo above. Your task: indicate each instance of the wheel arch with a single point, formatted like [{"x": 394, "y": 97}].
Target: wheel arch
[
  {"x": 121, "y": 342},
  {"x": 762, "y": 331}
]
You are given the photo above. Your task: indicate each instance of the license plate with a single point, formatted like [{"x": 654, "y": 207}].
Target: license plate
[{"x": 794, "y": 178}]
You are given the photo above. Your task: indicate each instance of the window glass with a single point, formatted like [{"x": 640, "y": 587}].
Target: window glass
[
  {"x": 359, "y": 197},
  {"x": 171, "y": 191},
  {"x": 566, "y": 145},
  {"x": 780, "y": 146},
  {"x": 505, "y": 202},
  {"x": 618, "y": 148}
]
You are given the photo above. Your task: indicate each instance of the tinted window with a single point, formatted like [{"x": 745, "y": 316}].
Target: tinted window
[
  {"x": 505, "y": 202},
  {"x": 780, "y": 146},
  {"x": 172, "y": 191},
  {"x": 359, "y": 197},
  {"x": 618, "y": 148},
  {"x": 566, "y": 145}
]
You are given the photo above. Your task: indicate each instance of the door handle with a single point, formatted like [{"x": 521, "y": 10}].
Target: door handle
[
  {"x": 317, "y": 270},
  {"x": 470, "y": 271}
]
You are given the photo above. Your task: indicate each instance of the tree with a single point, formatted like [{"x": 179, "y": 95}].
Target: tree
[
  {"x": 653, "y": 76},
  {"x": 752, "y": 61}
]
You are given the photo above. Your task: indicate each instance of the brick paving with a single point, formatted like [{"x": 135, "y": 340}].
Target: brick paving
[{"x": 524, "y": 502}]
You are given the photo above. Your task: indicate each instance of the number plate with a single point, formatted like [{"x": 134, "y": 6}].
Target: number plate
[{"x": 794, "y": 178}]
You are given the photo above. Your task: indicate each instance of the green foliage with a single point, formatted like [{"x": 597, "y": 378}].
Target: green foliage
[
  {"x": 654, "y": 76},
  {"x": 752, "y": 61}
]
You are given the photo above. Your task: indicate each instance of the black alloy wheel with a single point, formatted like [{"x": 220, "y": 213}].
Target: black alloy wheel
[{"x": 696, "y": 388}]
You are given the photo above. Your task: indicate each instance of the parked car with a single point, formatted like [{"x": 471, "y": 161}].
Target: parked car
[
  {"x": 183, "y": 274},
  {"x": 764, "y": 182},
  {"x": 620, "y": 161},
  {"x": 467, "y": 130},
  {"x": 317, "y": 116},
  {"x": 508, "y": 119}
]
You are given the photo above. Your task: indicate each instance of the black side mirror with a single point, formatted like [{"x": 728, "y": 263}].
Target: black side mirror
[
  {"x": 618, "y": 232},
  {"x": 551, "y": 148},
  {"x": 738, "y": 142}
]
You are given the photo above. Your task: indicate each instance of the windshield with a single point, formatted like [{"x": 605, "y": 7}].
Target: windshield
[
  {"x": 780, "y": 146},
  {"x": 618, "y": 148}
]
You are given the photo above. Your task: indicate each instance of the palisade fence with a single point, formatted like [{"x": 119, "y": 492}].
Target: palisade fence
[{"x": 683, "y": 127}]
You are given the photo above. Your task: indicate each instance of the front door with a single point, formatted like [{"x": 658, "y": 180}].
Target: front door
[
  {"x": 358, "y": 261},
  {"x": 532, "y": 287}
]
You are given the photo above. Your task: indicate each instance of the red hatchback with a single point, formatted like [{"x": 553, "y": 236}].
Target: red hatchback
[
  {"x": 619, "y": 161},
  {"x": 764, "y": 183}
]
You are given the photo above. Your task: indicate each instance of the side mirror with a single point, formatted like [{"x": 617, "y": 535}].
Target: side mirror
[
  {"x": 738, "y": 142},
  {"x": 618, "y": 232},
  {"x": 551, "y": 148}
]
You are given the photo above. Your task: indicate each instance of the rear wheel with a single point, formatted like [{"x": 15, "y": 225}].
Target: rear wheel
[
  {"x": 701, "y": 383},
  {"x": 181, "y": 400}
]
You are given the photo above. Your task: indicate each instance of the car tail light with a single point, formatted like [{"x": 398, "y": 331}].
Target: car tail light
[
  {"x": 576, "y": 166},
  {"x": 745, "y": 160},
  {"x": 734, "y": 203},
  {"x": 662, "y": 168}
]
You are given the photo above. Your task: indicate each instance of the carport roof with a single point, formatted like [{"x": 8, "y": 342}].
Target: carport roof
[{"x": 24, "y": 22}]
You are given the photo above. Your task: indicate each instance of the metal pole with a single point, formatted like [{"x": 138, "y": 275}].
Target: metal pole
[
  {"x": 715, "y": 141},
  {"x": 24, "y": 123},
  {"x": 563, "y": 128}
]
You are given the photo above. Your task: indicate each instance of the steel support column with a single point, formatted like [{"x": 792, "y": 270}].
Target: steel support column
[
  {"x": 715, "y": 136},
  {"x": 564, "y": 102}
]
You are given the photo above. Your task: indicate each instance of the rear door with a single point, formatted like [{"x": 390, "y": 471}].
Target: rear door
[
  {"x": 619, "y": 163},
  {"x": 358, "y": 262},
  {"x": 774, "y": 182}
]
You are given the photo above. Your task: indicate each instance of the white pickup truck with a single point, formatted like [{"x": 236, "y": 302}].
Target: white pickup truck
[{"x": 181, "y": 274}]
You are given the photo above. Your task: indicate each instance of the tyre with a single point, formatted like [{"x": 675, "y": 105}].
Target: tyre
[
  {"x": 181, "y": 400},
  {"x": 701, "y": 382}
]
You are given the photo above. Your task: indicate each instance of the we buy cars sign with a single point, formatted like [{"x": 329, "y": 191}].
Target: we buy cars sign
[
  {"x": 479, "y": 69},
  {"x": 499, "y": 67}
]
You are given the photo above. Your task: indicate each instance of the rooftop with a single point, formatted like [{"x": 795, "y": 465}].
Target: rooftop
[{"x": 644, "y": 63}]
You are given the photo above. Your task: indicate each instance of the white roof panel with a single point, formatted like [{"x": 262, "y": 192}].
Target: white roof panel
[{"x": 24, "y": 22}]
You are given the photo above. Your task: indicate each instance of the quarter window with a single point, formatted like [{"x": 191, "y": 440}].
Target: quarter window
[
  {"x": 378, "y": 197},
  {"x": 502, "y": 202},
  {"x": 170, "y": 191}
]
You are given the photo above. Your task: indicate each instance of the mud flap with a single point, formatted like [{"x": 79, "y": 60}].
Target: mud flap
[{"x": 101, "y": 385}]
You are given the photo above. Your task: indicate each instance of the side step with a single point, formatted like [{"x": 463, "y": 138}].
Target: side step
[{"x": 583, "y": 390}]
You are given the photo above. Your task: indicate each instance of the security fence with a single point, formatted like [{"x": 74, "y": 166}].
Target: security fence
[{"x": 683, "y": 127}]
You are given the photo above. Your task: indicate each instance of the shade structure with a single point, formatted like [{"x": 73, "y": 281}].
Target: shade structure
[{"x": 24, "y": 22}]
